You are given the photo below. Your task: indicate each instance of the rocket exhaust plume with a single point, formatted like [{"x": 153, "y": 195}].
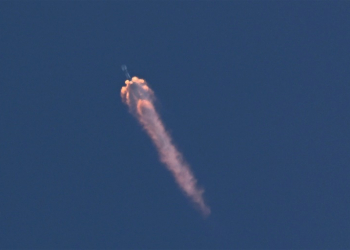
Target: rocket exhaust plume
[{"x": 139, "y": 97}]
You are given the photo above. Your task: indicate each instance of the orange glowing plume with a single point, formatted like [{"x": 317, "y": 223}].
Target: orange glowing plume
[{"x": 139, "y": 97}]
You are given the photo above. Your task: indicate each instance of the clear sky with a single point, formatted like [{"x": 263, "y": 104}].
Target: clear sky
[{"x": 254, "y": 93}]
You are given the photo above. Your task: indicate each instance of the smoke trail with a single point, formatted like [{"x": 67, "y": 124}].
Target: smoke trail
[{"x": 139, "y": 97}]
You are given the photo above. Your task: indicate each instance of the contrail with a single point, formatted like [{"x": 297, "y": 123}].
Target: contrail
[{"x": 139, "y": 97}]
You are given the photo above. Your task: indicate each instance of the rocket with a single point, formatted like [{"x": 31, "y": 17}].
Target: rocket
[{"x": 124, "y": 68}]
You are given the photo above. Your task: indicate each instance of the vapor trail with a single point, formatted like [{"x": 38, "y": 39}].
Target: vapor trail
[{"x": 139, "y": 97}]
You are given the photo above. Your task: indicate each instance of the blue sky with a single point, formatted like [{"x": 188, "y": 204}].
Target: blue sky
[{"x": 255, "y": 95}]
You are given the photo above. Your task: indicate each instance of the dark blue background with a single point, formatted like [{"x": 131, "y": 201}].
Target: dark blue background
[{"x": 255, "y": 94}]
